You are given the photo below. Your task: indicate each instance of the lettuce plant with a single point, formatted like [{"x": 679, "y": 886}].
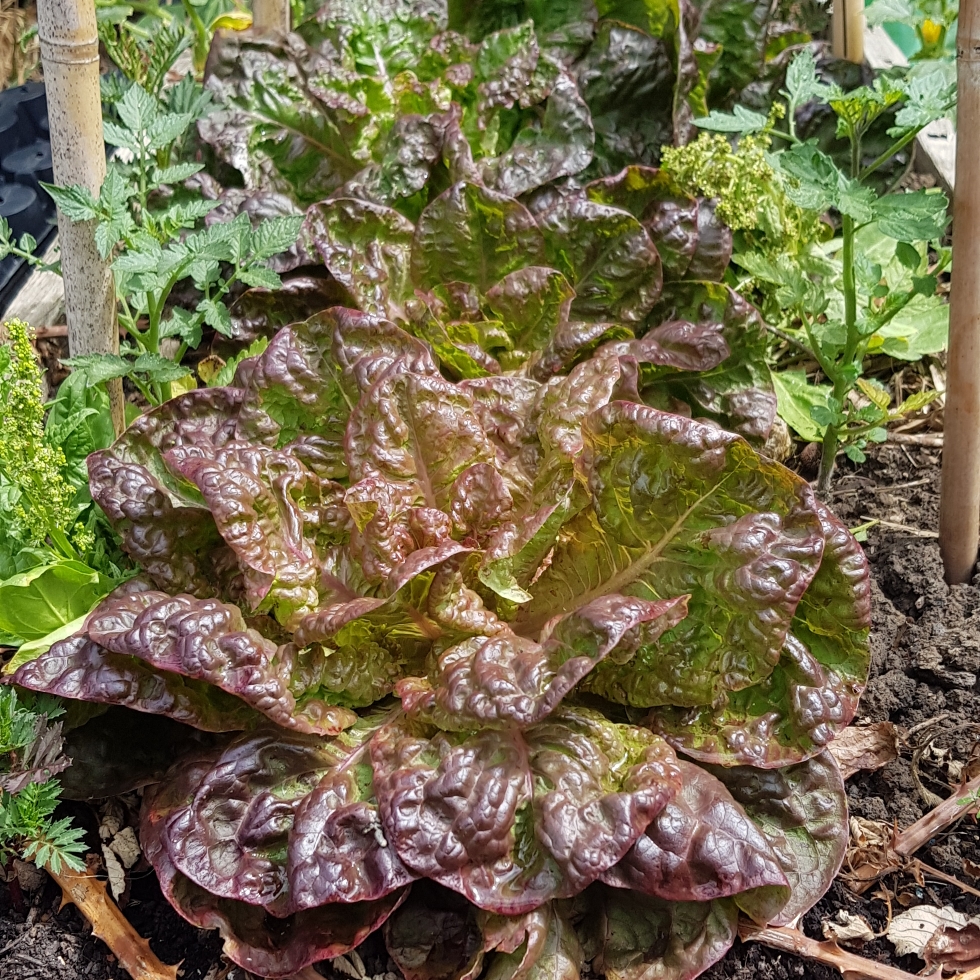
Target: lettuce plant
[{"x": 520, "y": 670}]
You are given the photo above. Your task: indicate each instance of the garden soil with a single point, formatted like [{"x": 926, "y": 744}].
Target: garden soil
[{"x": 925, "y": 669}]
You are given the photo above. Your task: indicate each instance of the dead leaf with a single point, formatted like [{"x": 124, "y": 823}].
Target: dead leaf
[
  {"x": 954, "y": 949},
  {"x": 911, "y": 931},
  {"x": 971, "y": 869},
  {"x": 88, "y": 894},
  {"x": 112, "y": 819},
  {"x": 848, "y": 928},
  {"x": 117, "y": 877},
  {"x": 865, "y": 747},
  {"x": 126, "y": 847}
]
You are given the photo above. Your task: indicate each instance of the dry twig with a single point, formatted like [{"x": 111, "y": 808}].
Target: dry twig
[
  {"x": 133, "y": 952},
  {"x": 850, "y": 965}
]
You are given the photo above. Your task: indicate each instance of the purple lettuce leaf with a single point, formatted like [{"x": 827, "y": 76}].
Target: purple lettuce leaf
[
  {"x": 282, "y": 821},
  {"x": 741, "y": 539},
  {"x": 627, "y": 80},
  {"x": 539, "y": 945},
  {"x": 607, "y": 256},
  {"x": 418, "y": 432},
  {"x": 738, "y": 393},
  {"x": 507, "y": 680},
  {"x": 560, "y": 145},
  {"x": 639, "y": 937},
  {"x": 368, "y": 249},
  {"x": 530, "y": 303},
  {"x": 812, "y": 695},
  {"x": 208, "y": 640},
  {"x": 435, "y": 935},
  {"x": 272, "y": 511},
  {"x": 702, "y": 846},
  {"x": 511, "y": 819},
  {"x": 669, "y": 216},
  {"x": 81, "y": 670},
  {"x": 802, "y": 811},
  {"x": 266, "y": 946},
  {"x": 164, "y": 523},
  {"x": 261, "y": 312}
]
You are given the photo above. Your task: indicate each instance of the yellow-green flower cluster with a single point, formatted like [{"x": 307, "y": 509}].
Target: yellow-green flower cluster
[{"x": 30, "y": 469}]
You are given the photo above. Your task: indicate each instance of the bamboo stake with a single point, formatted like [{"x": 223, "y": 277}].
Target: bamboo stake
[
  {"x": 270, "y": 15},
  {"x": 959, "y": 506},
  {"x": 70, "y": 57},
  {"x": 848, "y": 30}
]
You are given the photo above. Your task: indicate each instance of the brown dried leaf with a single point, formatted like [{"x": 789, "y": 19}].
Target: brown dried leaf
[
  {"x": 133, "y": 952},
  {"x": 848, "y": 928},
  {"x": 865, "y": 747},
  {"x": 971, "y": 869}
]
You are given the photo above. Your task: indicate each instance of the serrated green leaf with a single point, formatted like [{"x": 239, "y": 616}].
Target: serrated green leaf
[
  {"x": 276, "y": 235},
  {"x": 795, "y": 396},
  {"x": 908, "y": 255},
  {"x": 259, "y": 275},
  {"x": 74, "y": 202},
  {"x": 177, "y": 173},
  {"x": 100, "y": 367},
  {"x": 216, "y": 315},
  {"x": 159, "y": 369},
  {"x": 916, "y": 216},
  {"x": 739, "y": 120}
]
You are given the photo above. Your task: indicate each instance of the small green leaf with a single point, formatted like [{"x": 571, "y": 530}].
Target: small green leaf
[
  {"x": 276, "y": 235},
  {"x": 216, "y": 315},
  {"x": 159, "y": 369},
  {"x": 259, "y": 275},
  {"x": 854, "y": 453},
  {"x": 924, "y": 285},
  {"x": 100, "y": 367},
  {"x": 74, "y": 202},
  {"x": 739, "y": 120},
  {"x": 908, "y": 255},
  {"x": 878, "y": 434},
  {"x": 176, "y": 174}
]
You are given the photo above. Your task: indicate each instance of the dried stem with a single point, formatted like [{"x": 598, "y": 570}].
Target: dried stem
[
  {"x": 851, "y": 966},
  {"x": 88, "y": 894}
]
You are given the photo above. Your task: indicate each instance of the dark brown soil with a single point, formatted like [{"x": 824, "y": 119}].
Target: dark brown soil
[{"x": 926, "y": 663}]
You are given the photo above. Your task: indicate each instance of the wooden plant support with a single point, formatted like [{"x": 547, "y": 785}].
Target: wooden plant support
[
  {"x": 270, "y": 15},
  {"x": 70, "y": 58},
  {"x": 959, "y": 507},
  {"x": 847, "y": 28}
]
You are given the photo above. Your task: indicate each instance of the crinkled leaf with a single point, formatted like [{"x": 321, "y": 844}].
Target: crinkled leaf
[
  {"x": 435, "y": 935},
  {"x": 511, "y": 819},
  {"x": 81, "y": 670},
  {"x": 208, "y": 640},
  {"x": 738, "y": 392},
  {"x": 472, "y": 234},
  {"x": 507, "y": 680},
  {"x": 813, "y": 692},
  {"x": 416, "y": 431},
  {"x": 644, "y": 938},
  {"x": 549, "y": 947},
  {"x": 530, "y": 303},
  {"x": 367, "y": 248},
  {"x": 683, "y": 508},
  {"x": 607, "y": 256},
  {"x": 702, "y": 846},
  {"x": 627, "y": 81},
  {"x": 278, "y": 820},
  {"x": 802, "y": 811}
]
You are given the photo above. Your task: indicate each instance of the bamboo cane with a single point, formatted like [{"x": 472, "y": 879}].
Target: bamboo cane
[
  {"x": 959, "y": 508},
  {"x": 270, "y": 15},
  {"x": 70, "y": 58},
  {"x": 848, "y": 30}
]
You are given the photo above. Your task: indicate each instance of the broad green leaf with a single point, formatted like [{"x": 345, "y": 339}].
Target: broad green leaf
[
  {"x": 177, "y": 173},
  {"x": 795, "y": 397},
  {"x": 36, "y": 603},
  {"x": 914, "y": 216},
  {"x": 33, "y": 649},
  {"x": 920, "y": 328}
]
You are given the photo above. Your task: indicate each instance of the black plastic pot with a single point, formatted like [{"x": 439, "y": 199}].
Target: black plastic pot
[
  {"x": 13, "y": 132},
  {"x": 22, "y": 208},
  {"x": 30, "y": 164}
]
